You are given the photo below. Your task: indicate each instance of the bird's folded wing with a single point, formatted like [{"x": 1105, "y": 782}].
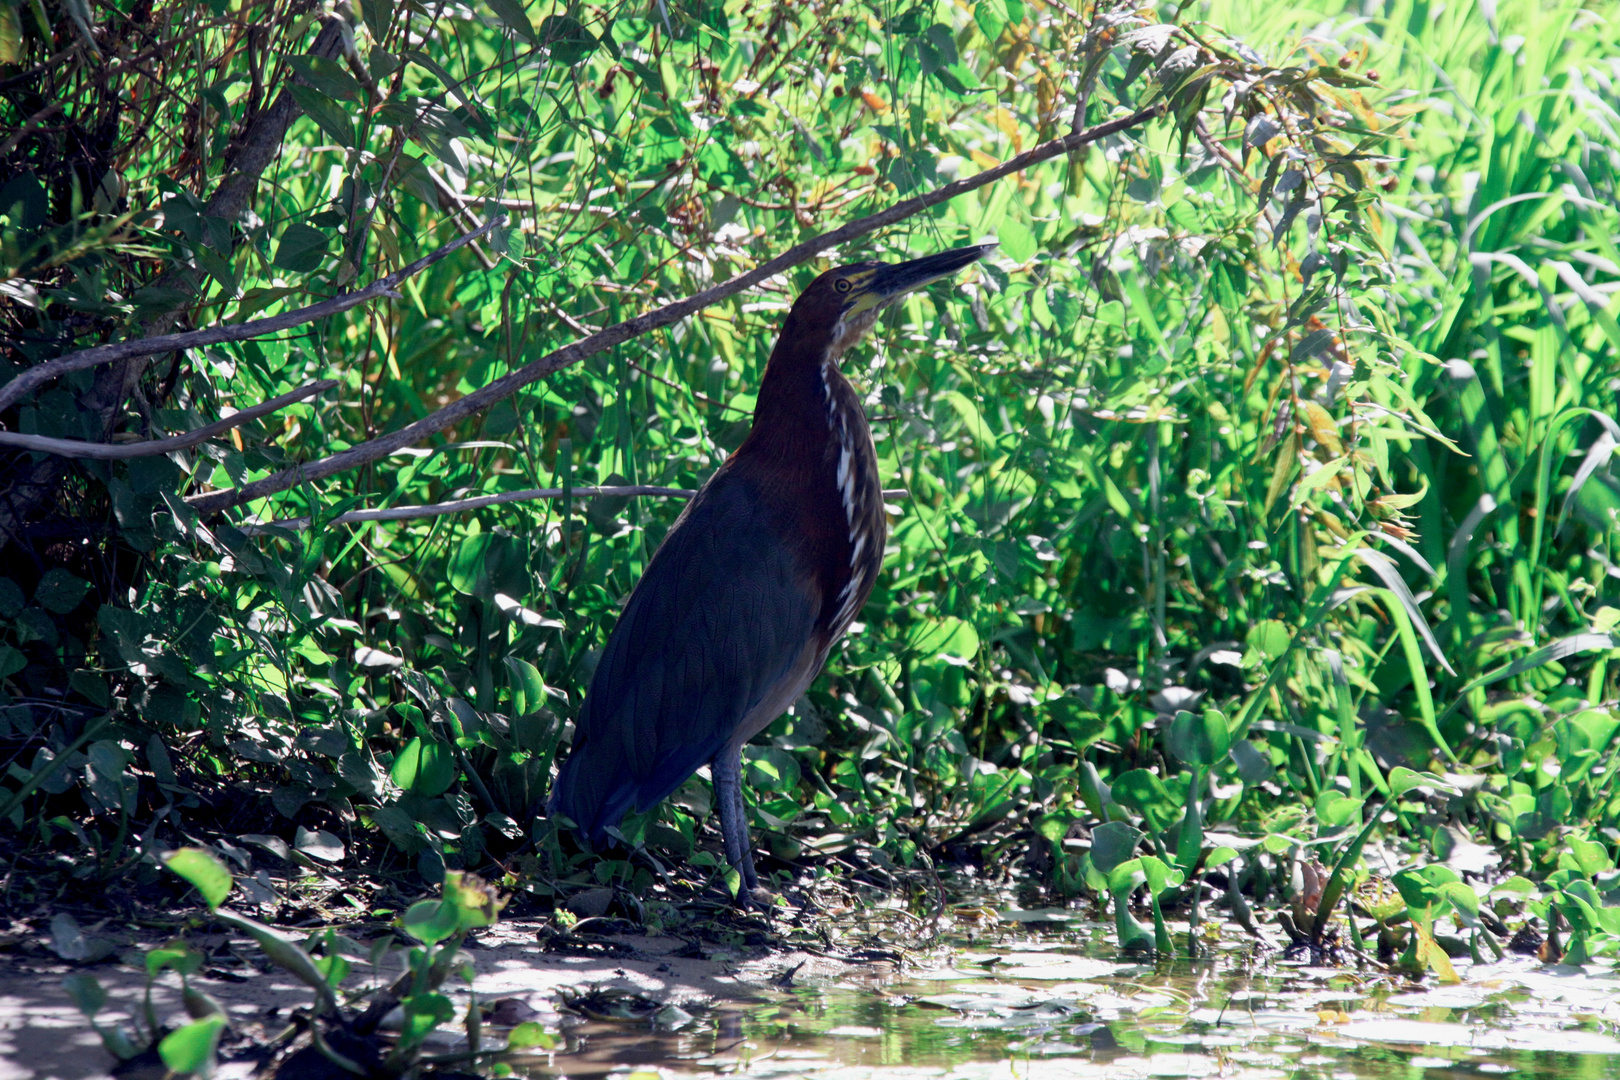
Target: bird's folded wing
[{"x": 718, "y": 621}]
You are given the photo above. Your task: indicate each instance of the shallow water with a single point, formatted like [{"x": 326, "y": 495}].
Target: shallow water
[{"x": 1064, "y": 1004}]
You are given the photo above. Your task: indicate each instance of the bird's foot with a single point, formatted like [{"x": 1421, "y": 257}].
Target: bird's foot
[{"x": 758, "y": 898}]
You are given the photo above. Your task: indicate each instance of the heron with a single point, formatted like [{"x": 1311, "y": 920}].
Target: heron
[{"x": 759, "y": 577}]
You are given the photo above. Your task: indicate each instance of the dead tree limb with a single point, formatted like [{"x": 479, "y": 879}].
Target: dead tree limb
[
  {"x": 478, "y": 502},
  {"x": 215, "y": 335},
  {"x": 78, "y": 448}
]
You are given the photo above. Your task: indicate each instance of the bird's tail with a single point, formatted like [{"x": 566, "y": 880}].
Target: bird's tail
[{"x": 589, "y": 792}]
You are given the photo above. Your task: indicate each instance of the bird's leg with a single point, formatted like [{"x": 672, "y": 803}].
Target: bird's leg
[{"x": 727, "y": 771}]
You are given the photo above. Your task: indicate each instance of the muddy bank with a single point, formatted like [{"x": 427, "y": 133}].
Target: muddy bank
[{"x": 43, "y": 1035}]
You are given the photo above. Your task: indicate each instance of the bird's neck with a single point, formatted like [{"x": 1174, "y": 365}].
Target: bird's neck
[{"x": 804, "y": 401}]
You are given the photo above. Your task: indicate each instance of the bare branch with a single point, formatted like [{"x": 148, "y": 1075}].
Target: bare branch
[
  {"x": 408, "y": 513},
  {"x": 608, "y": 337},
  {"x": 214, "y": 335},
  {"x": 77, "y": 448}
]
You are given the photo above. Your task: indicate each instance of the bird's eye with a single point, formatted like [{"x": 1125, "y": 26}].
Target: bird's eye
[{"x": 842, "y": 285}]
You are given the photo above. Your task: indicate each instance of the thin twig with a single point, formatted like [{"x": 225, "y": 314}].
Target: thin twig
[
  {"x": 485, "y": 396},
  {"x": 458, "y": 506},
  {"x": 28, "y": 126},
  {"x": 77, "y": 448},
  {"x": 214, "y": 335}
]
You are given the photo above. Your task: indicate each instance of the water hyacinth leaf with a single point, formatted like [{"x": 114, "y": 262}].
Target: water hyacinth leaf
[
  {"x": 528, "y": 688},
  {"x": 1464, "y": 901},
  {"x": 1200, "y": 739},
  {"x": 1112, "y": 844},
  {"x": 431, "y": 921},
  {"x": 1402, "y": 780},
  {"x": 529, "y": 1035},
  {"x": 1159, "y": 876},
  {"x": 285, "y": 954},
  {"x": 424, "y": 767},
  {"x": 190, "y": 1050},
  {"x": 205, "y": 873},
  {"x": 423, "y": 1013},
  {"x": 1142, "y": 791},
  {"x": 87, "y": 993}
]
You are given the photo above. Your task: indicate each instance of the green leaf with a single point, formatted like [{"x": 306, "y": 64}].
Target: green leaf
[
  {"x": 1145, "y": 793},
  {"x": 1269, "y": 638},
  {"x": 1160, "y": 876},
  {"x": 567, "y": 38},
  {"x": 87, "y": 994},
  {"x": 528, "y": 688},
  {"x": 1200, "y": 740},
  {"x": 332, "y": 117},
  {"x": 424, "y": 1013},
  {"x": 11, "y": 34},
  {"x": 529, "y": 1034},
  {"x": 512, "y": 13},
  {"x": 991, "y": 16},
  {"x": 431, "y": 921},
  {"x": 60, "y": 591},
  {"x": 185, "y": 960},
  {"x": 301, "y": 248},
  {"x": 468, "y": 572},
  {"x": 11, "y": 599},
  {"x": 949, "y": 636},
  {"x": 191, "y": 1049},
  {"x": 285, "y": 954},
  {"x": 1112, "y": 844},
  {"x": 328, "y": 76},
  {"x": 1017, "y": 242},
  {"x": 425, "y": 768},
  {"x": 958, "y": 79},
  {"x": 972, "y": 421},
  {"x": 205, "y": 873}
]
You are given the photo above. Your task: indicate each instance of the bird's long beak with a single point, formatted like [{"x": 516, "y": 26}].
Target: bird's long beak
[{"x": 893, "y": 281}]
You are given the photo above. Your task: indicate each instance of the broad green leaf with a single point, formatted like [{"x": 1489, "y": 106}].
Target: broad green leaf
[
  {"x": 190, "y": 1050},
  {"x": 86, "y": 992},
  {"x": 516, "y": 18},
  {"x": 1113, "y": 843},
  {"x": 1200, "y": 739},
  {"x": 284, "y": 953},
  {"x": 60, "y": 591},
  {"x": 567, "y": 38},
  {"x": 301, "y": 248},
  {"x": 425, "y": 768},
  {"x": 431, "y": 921},
  {"x": 332, "y": 117},
  {"x": 205, "y": 873}
]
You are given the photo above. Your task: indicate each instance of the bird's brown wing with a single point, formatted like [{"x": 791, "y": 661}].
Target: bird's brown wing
[{"x": 719, "y": 620}]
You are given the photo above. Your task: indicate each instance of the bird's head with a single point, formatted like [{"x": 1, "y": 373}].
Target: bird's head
[{"x": 847, "y": 299}]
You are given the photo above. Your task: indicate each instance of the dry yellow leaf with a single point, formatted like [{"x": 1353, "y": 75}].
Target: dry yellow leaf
[{"x": 1324, "y": 428}]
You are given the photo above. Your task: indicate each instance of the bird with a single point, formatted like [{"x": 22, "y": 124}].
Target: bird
[{"x": 758, "y": 578}]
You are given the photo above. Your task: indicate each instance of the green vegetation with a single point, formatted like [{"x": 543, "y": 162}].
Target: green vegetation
[{"x": 1260, "y": 512}]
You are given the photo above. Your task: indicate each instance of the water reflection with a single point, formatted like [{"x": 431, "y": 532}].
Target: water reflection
[{"x": 1067, "y": 1006}]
